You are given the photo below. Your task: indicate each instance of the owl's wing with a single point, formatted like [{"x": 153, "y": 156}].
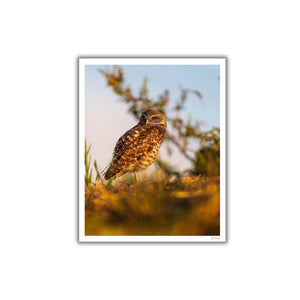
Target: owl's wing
[
  {"x": 129, "y": 143},
  {"x": 125, "y": 154},
  {"x": 133, "y": 146}
]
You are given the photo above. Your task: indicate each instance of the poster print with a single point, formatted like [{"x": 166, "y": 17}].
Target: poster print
[{"x": 152, "y": 149}]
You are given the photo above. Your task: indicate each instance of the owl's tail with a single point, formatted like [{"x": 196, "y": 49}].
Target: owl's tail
[{"x": 111, "y": 171}]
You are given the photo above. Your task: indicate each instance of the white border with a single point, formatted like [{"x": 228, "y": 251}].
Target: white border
[{"x": 152, "y": 61}]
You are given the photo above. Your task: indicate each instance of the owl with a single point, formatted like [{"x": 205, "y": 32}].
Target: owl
[{"x": 138, "y": 147}]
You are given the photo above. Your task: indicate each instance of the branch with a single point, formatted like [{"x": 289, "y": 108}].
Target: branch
[{"x": 180, "y": 147}]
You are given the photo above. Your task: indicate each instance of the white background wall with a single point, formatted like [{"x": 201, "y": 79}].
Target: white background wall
[{"x": 40, "y": 257}]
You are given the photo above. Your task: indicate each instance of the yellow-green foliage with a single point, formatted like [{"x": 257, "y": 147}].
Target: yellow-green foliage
[
  {"x": 87, "y": 163},
  {"x": 189, "y": 206}
]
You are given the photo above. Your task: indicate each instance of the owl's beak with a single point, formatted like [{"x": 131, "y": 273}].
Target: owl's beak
[{"x": 147, "y": 121}]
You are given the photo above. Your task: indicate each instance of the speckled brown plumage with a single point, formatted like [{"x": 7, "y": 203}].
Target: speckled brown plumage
[{"x": 138, "y": 147}]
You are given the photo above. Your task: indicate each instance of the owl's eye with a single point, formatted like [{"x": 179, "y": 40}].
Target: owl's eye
[{"x": 155, "y": 118}]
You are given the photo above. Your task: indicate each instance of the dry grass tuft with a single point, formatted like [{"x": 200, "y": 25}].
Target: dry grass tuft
[{"x": 187, "y": 206}]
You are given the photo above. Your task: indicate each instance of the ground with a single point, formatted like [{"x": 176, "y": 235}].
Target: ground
[{"x": 186, "y": 206}]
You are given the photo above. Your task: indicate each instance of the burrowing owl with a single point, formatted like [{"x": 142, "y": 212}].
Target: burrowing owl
[{"x": 138, "y": 147}]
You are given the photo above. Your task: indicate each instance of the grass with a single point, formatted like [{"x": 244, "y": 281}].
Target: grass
[
  {"x": 87, "y": 163},
  {"x": 156, "y": 206},
  {"x": 88, "y": 169},
  {"x": 187, "y": 206}
]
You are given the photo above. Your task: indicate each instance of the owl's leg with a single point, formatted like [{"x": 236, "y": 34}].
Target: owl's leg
[{"x": 136, "y": 177}]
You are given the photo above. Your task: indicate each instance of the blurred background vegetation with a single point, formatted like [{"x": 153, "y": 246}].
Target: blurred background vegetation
[
  {"x": 172, "y": 202},
  {"x": 181, "y": 134}
]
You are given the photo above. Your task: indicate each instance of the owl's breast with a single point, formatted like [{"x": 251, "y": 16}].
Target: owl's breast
[{"x": 149, "y": 148}]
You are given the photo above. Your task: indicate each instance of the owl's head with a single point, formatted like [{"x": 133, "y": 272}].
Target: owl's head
[{"x": 153, "y": 117}]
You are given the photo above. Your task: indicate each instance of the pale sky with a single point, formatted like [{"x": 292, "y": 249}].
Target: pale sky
[{"x": 106, "y": 117}]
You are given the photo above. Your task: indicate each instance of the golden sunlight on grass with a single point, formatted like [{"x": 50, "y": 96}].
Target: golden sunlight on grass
[{"x": 187, "y": 206}]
